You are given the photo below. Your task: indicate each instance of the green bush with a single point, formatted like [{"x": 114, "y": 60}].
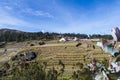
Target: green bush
[{"x": 28, "y": 71}]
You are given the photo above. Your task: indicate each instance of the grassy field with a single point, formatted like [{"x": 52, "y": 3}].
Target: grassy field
[
  {"x": 67, "y": 52},
  {"x": 52, "y": 52}
]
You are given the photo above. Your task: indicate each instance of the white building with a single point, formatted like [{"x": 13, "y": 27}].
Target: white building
[{"x": 62, "y": 40}]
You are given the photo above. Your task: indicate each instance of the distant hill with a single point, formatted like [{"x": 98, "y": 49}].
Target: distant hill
[
  {"x": 4, "y": 30},
  {"x": 17, "y": 35}
]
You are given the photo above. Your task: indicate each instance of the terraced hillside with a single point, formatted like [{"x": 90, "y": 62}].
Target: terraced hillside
[{"x": 68, "y": 53}]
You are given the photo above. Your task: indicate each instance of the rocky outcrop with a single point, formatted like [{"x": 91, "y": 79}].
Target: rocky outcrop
[{"x": 25, "y": 56}]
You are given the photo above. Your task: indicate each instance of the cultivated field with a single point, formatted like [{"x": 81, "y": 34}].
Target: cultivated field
[{"x": 53, "y": 52}]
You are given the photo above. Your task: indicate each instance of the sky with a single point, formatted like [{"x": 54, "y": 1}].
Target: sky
[{"x": 61, "y": 16}]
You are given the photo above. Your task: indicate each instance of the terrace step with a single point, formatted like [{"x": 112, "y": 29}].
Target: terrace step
[{"x": 70, "y": 58}]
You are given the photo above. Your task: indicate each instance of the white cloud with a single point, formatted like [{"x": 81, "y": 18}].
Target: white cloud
[
  {"x": 41, "y": 13},
  {"x": 7, "y": 19},
  {"x": 38, "y": 13},
  {"x": 8, "y": 7}
]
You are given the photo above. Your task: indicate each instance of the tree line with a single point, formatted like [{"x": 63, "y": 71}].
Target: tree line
[{"x": 9, "y": 36}]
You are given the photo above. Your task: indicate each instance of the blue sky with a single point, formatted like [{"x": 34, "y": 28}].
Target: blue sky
[{"x": 62, "y": 16}]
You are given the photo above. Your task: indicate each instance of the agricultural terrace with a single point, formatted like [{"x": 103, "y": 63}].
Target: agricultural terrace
[{"x": 71, "y": 56}]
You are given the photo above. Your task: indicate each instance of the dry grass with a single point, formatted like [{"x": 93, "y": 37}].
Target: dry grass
[{"x": 67, "y": 52}]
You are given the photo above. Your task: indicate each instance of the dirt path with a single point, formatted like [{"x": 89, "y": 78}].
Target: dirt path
[
  {"x": 4, "y": 57},
  {"x": 8, "y": 50}
]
